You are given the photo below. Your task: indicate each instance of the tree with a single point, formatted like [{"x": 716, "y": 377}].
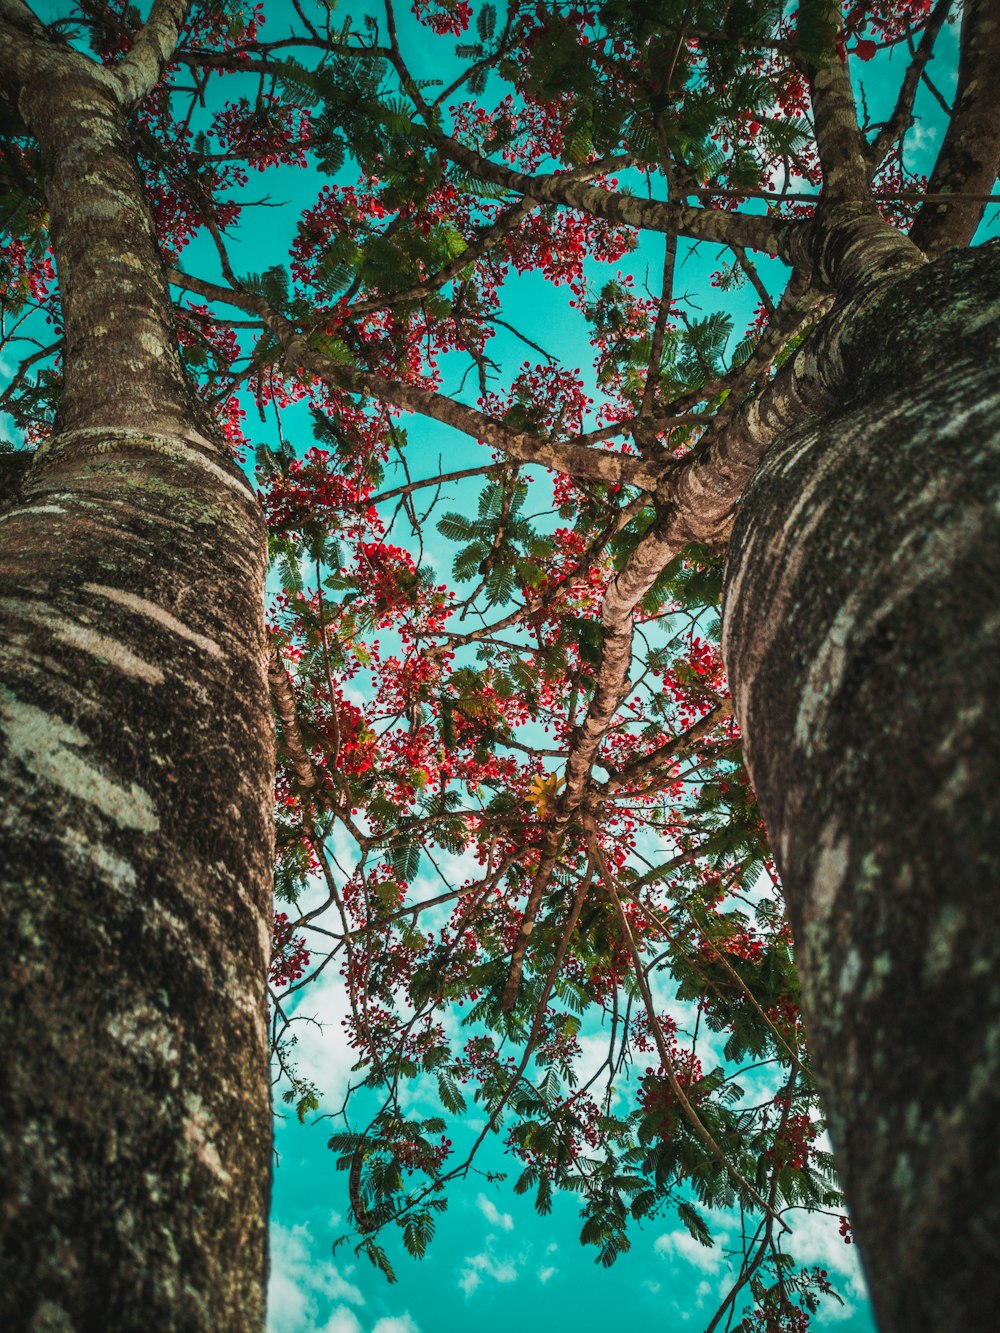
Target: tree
[
  {"x": 138, "y": 757},
  {"x": 605, "y": 799}
]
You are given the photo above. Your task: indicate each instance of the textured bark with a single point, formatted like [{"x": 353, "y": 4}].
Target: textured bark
[
  {"x": 136, "y": 760},
  {"x": 839, "y": 143},
  {"x": 860, "y": 638},
  {"x": 753, "y": 232},
  {"x": 122, "y": 365},
  {"x": 970, "y": 155}
]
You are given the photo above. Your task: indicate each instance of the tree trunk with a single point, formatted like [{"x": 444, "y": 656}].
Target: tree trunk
[
  {"x": 861, "y": 626},
  {"x": 136, "y": 760}
]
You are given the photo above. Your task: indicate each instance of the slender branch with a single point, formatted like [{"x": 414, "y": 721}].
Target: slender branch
[
  {"x": 695, "y": 502},
  {"x": 666, "y": 1060},
  {"x": 548, "y": 856},
  {"x": 750, "y": 269},
  {"x": 748, "y": 993},
  {"x": 748, "y": 1269},
  {"x": 656, "y": 342},
  {"x": 283, "y": 697},
  {"x": 902, "y": 115},
  {"x": 439, "y": 480},
  {"x": 479, "y": 246},
  {"x": 665, "y": 754},
  {"x": 970, "y": 154}
]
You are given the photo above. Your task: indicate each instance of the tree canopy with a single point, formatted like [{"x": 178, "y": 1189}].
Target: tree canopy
[{"x": 588, "y": 243}]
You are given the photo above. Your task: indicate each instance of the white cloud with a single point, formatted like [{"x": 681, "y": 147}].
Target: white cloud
[
  {"x": 486, "y": 1264},
  {"x": 342, "y": 1320},
  {"x": 309, "y": 1294},
  {"x": 396, "y": 1324},
  {"x": 594, "y": 1054},
  {"x": 545, "y": 1273},
  {"x": 682, "y": 1245},
  {"x": 287, "y": 1304},
  {"x": 923, "y": 135},
  {"x": 685, "y": 1014},
  {"x": 816, "y": 1239},
  {"x": 493, "y": 1214},
  {"x": 321, "y": 1052},
  {"x": 301, "y": 1286}
]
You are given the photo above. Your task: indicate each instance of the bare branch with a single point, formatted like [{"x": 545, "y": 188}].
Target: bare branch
[
  {"x": 283, "y": 697},
  {"x": 383, "y": 496},
  {"x": 902, "y": 116},
  {"x": 970, "y": 154}
]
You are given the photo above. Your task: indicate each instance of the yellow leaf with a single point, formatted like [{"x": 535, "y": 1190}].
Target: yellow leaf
[{"x": 542, "y": 792}]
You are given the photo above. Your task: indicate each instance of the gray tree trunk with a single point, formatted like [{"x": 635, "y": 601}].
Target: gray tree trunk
[
  {"x": 136, "y": 760},
  {"x": 862, "y": 613}
]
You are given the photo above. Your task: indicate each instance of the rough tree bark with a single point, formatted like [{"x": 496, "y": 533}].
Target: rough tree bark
[
  {"x": 860, "y": 637},
  {"x": 136, "y": 758}
]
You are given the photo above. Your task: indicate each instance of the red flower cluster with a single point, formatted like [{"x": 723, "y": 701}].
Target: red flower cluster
[{"x": 289, "y": 955}]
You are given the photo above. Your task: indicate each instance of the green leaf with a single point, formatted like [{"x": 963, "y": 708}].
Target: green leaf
[
  {"x": 695, "y": 1224},
  {"x": 405, "y": 860},
  {"x": 486, "y": 21},
  {"x": 378, "y": 1257},
  {"x": 451, "y": 1097},
  {"x": 456, "y": 527}
]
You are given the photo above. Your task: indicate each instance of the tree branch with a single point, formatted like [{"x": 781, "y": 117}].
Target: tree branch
[
  {"x": 970, "y": 154},
  {"x": 902, "y": 115},
  {"x": 665, "y": 754},
  {"x": 138, "y": 73},
  {"x": 283, "y": 697},
  {"x": 838, "y": 137},
  {"x": 562, "y": 456},
  {"x": 481, "y": 244},
  {"x": 753, "y": 232}
]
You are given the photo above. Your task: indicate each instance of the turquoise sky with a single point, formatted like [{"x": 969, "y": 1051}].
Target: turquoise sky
[{"x": 495, "y": 1265}]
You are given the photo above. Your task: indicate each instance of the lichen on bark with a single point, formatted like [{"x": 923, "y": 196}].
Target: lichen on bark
[
  {"x": 860, "y": 635},
  {"x": 136, "y": 775}
]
